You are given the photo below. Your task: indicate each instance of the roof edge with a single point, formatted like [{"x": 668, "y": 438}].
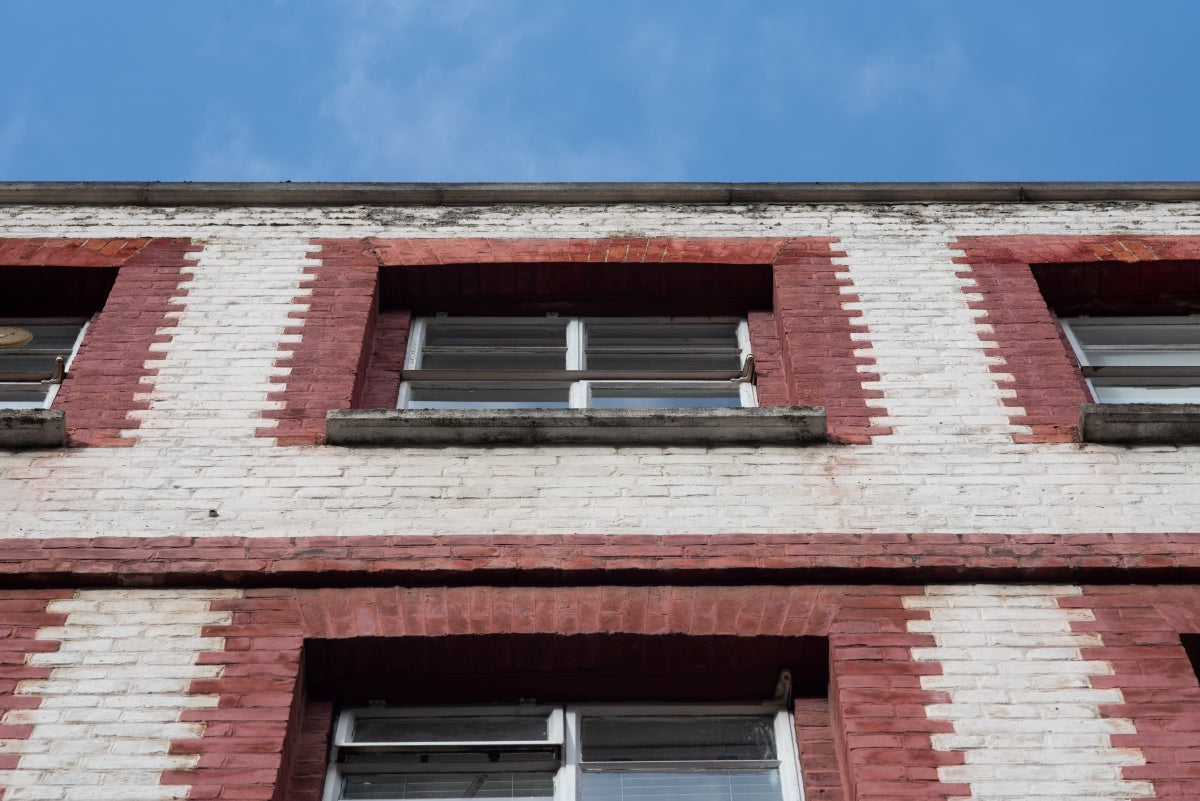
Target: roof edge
[{"x": 154, "y": 193}]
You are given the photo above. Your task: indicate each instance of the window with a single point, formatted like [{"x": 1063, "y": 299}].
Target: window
[
  {"x": 557, "y": 362},
  {"x": 590, "y": 753},
  {"x": 34, "y": 354},
  {"x": 1138, "y": 359}
]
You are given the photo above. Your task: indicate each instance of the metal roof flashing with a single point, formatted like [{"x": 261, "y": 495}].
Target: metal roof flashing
[{"x": 154, "y": 193}]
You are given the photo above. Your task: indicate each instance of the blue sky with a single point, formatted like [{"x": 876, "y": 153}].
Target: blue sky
[{"x": 610, "y": 90}]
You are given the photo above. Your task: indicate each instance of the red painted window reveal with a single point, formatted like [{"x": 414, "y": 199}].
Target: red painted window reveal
[
  {"x": 355, "y": 330},
  {"x": 1026, "y": 282},
  {"x": 291, "y": 654},
  {"x": 128, "y": 286}
]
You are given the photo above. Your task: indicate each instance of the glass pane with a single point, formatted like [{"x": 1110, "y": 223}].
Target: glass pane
[
  {"x": 17, "y": 362},
  {"x": 446, "y": 729},
  {"x": 488, "y": 397},
  {"x": 662, "y": 739},
  {"x": 1183, "y": 332},
  {"x": 1127, "y": 357},
  {"x": 449, "y": 786},
  {"x": 29, "y": 397},
  {"x": 508, "y": 345},
  {"x": 508, "y": 333},
  {"x": 1147, "y": 393},
  {"x": 693, "y": 362},
  {"x": 634, "y": 333},
  {"x": 48, "y": 336},
  {"x": 494, "y": 360},
  {"x": 632, "y": 345},
  {"x": 706, "y": 785},
  {"x": 665, "y": 396}
]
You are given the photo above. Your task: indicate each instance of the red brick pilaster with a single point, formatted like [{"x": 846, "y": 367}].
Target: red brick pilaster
[
  {"x": 1140, "y": 629},
  {"x": 327, "y": 366},
  {"x": 245, "y": 744},
  {"x": 879, "y": 705},
  {"x": 22, "y": 614},
  {"x": 814, "y": 332}
]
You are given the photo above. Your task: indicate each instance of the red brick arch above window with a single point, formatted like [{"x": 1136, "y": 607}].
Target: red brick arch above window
[
  {"x": 1045, "y": 378},
  {"x": 350, "y": 352}
]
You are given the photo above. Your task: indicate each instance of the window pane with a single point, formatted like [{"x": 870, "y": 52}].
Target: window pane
[
  {"x": 16, "y": 362},
  {"x": 505, "y": 334},
  {"x": 635, "y": 333},
  {"x": 706, "y": 785},
  {"x": 32, "y": 396},
  {"x": 494, "y": 359},
  {"x": 660, "y": 739},
  {"x": 1183, "y": 332},
  {"x": 1146, "y": 392},
  {"x": 450, "y": 786},
  {"x": 693, "y": 362},
  {"x": 632, "y": 345},
  {"x": 48, "y": 336},
  {"x": 1173, "y": 343},
  {"x": 515, "y": 345},
  {"x": 488, "y": 397},
  {"x": 665, "y": 396},
  {"x": 1137, "y": 357},
  {"x": 481, "y": 728}
]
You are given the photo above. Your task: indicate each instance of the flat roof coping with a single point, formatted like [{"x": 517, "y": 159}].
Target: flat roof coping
[{"x": 154, "y": 193}]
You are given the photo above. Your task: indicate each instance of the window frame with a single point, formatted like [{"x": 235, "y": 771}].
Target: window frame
[
  {"x": 53, "y": 383},
  {"x": 1133, "y": 375},
  {"x": 565, "y": 731},
  {"x": 578, "y": 381}
]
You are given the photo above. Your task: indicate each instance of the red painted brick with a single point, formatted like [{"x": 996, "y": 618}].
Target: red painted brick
[
  {"x": 1045, "y": 376},
  {"x": 350, "y": 357}
]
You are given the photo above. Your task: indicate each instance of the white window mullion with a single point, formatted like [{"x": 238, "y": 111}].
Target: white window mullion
[
  {"x": 788, "y": 752},
  {"x": 566, "y": 783},
  {"x": 576, "y": 344},
  {"x": 581, "y": 395}
]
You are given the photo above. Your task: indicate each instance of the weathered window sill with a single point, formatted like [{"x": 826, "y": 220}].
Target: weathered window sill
[
  {"x": 1140, "y": 423},
  {"x": 747, "y": 426},
  {"x": 32, "y": 428}
]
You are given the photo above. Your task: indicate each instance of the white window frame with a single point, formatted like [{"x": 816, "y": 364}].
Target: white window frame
[
  {"x": 581, "y": 386},
  {"x": 1135, "y": 373},
  {"x": 50, "y": 385},
  {"x": 565, "y": 724}
]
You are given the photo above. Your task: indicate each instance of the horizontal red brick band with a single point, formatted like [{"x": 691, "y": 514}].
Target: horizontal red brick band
[{"x": 599, "y": 559}]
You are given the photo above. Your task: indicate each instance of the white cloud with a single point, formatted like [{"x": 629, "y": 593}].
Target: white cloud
[
  {"x": 453, "y": 117},
  {"x": 225, "y": 152},
  {"x": 12, "y": 132},
  {"x": 886, "y": 79}
]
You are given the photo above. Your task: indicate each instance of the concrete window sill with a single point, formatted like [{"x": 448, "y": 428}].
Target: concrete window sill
[
  {"x": 1140, "y": 423},
  {"x": 748, "y": 426},
  {"x": 32, "y": 428}
]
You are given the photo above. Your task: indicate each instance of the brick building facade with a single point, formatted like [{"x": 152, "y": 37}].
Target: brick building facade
[{"x": 974, "y": 598}]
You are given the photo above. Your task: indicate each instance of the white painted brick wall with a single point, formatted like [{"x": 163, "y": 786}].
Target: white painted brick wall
[
  {"x": 111, "y": 705},
  {"x": 1024, "y": 712},
  {"x": 949, "y": 466}
]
